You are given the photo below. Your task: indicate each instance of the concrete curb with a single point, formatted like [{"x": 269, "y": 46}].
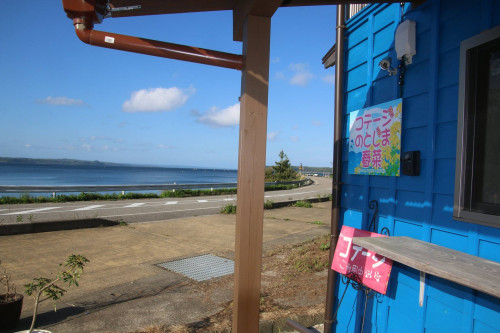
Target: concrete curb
[
  {"x": 279, "y": 325},
  {"x": 34, "y": 227}
]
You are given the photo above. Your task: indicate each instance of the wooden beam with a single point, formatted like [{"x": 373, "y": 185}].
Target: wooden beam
[
  {"x": 154, "y": 7},
  {"x": 251, "y": 172},
  {"x": 462, "y": 268},
  {"x": 243, "y": 8},
  {"x": 300, "y": 3}
]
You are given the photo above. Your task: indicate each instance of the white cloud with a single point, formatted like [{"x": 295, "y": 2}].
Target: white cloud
[
  {"x": 301, "y": 76},
  {"x": 86, "y": 147},
  {"x": 64, "y": 101},
  {"x": 330, "y": 79},
  {"x": 27, "y": 145},
  {"x": 162, "y": 146},
  {"x": 105, "y": 138},
  {"x": 271, "y": 136},
  {"x": 156, "y": 99},
  {"x": 66, "y": 147},
  {"x": 229, "y": 116},
  {"x": 280, "y": 76}
]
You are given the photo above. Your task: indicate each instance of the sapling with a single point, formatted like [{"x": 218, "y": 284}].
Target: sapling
[
  {"x": 5, "y": 279},
  {"x": 42, "y": 289}
]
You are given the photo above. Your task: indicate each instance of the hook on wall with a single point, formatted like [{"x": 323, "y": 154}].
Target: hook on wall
[{"x": 373, "y": 205}]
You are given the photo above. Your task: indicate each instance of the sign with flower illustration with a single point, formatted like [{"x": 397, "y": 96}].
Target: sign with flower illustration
[{"x": 375, "y": 139}]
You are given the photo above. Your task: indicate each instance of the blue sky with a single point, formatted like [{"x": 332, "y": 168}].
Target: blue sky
[{"x": 61, "y": 98}]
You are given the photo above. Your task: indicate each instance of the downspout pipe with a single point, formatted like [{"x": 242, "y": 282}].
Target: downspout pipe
[
  {"x": 331, "y": 295},
  {"x": 86, "y": 33}
]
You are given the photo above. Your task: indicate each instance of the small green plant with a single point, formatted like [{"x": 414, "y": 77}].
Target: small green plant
[
  {"x": 269, "y": 204},
  {"x": 305, "y": 204},
  {"x": 122, "y": 223},
  {"x": 324, "y": 247},
  {"x": 317, "y": 223},
  {"x": 30, "y": 218},
  {"x": 42, "y": 289},
  {"x": 19, "y": 218},
  {"x": 229, "y": 209},
  {"x": 10, "y": 288}
]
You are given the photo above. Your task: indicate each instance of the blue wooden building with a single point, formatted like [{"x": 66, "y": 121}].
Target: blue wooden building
[{"x": 451, "y": 115}]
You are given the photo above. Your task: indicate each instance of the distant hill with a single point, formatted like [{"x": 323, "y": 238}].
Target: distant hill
[
  {"x": 48, "y": 161},
  {"x": 68, "y": 161},
  {"x": 309, "y": 169}
]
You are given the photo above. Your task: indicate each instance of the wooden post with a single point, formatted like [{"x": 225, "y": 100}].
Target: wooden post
[{"x": 251, "y": 173}]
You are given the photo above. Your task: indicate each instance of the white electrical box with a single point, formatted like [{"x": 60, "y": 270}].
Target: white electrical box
[{"x": 405, "y": 42}]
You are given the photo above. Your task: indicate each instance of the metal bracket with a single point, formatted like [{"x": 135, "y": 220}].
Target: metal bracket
[
  {"x": 422, "y": 289},
  {"x": 373, "y": 223}
]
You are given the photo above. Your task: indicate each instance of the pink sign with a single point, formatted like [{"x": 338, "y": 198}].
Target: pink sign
[{"x": 372, "y": 270}]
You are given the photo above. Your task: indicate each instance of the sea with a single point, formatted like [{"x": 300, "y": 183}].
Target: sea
[{"x": 61, "y": 174}]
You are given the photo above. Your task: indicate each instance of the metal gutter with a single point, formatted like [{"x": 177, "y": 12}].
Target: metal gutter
[
  {"x": 84, "y": 31},
  {"x": 337, "y": 167},
  {"x": 85, "y": 13}
]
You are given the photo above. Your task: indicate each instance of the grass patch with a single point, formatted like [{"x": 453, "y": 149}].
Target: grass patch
[
  {"x": 305, "y": 204},
  {"x": 269, "y": 204},
  {"x": 317, "y": 223},
  {"x": 196, "y": 193},
  {"x": 309, "y": 257},
  {"x": 280, "y": 187},
  {"x": 27, "y": 199},
  {"x": 228, "y": 209},
  {"x": 91, "y": 196}
]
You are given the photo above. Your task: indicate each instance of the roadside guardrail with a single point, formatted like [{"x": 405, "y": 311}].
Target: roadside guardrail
[{"x": 26, "y": 189}]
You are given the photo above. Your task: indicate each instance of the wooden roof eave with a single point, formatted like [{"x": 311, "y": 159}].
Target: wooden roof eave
[
  {"x": 156, "y": 7},
  {"x": 241, "y": 9}
]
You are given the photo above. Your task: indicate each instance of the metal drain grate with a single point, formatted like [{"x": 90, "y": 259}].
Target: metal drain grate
[{"x": 201, "y": 268}]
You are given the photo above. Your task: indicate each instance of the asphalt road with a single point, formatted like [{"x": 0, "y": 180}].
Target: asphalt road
[{"x": 131, "y": 211}]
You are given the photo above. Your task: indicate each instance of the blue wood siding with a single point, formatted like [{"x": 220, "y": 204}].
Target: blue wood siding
[{"x": 419, "y": 206}]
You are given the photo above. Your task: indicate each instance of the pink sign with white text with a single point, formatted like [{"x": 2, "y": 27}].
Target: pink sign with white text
[{"x": 372, "y": 270}]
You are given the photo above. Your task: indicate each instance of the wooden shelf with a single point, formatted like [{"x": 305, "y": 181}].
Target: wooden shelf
[{"x": 462, "y": 268}]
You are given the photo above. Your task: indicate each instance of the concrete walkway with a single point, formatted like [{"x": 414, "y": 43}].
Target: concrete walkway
[{"x": 122, "y": 290}]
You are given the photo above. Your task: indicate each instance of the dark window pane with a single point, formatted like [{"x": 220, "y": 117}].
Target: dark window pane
[{"x": 485, "y": 171}]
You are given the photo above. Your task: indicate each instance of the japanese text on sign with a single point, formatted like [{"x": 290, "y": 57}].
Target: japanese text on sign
[
  {"x": 371, "y": 269},
  {"x": 375, "y": 139}
]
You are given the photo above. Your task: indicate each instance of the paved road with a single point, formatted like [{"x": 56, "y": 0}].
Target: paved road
[{"x": 146, "y": 209}]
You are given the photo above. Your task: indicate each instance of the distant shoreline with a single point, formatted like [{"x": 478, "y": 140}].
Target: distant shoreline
[
  {"x": 47, "y": 161},
  {"x": 75, "y": 162}
]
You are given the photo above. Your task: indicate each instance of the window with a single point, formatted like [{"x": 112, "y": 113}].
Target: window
[{"x": 477, "y": 174}]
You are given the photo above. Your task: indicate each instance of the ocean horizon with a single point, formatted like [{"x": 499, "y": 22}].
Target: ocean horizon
[{"x": 108, "y": 174}]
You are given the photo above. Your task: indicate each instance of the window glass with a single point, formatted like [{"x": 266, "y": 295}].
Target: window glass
[
  {"x": 477, "y": 176},
  {"x": 485, "y": 177}
]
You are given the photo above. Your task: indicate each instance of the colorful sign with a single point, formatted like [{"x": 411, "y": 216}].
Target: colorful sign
[
  {"x": 368, "y": 267},
  {"x": 375, "y": 139}
]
